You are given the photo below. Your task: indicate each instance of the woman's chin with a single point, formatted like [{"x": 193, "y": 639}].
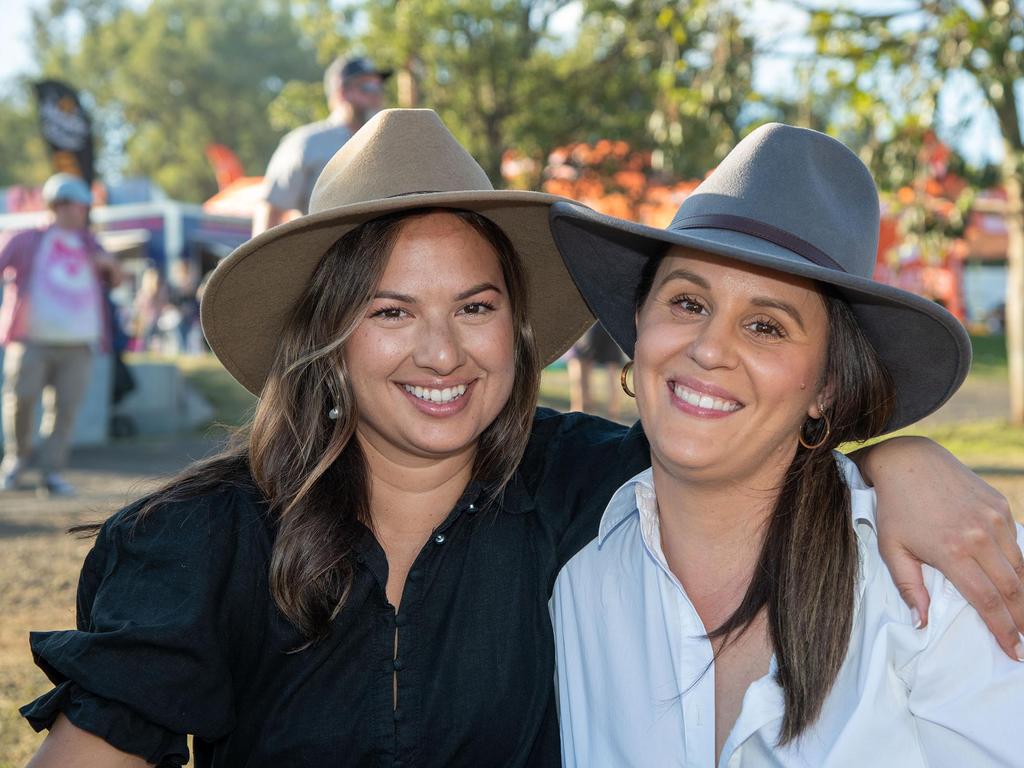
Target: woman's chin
[{"x": 689, "y": 459}]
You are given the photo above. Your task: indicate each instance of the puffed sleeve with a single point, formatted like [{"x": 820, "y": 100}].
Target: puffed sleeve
[
  {"x": 165, "y": 605},
  {"x": 965, "y": 693}
]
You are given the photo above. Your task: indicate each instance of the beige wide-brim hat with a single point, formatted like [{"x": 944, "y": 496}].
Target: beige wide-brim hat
[{"x": 401, "y": 159}]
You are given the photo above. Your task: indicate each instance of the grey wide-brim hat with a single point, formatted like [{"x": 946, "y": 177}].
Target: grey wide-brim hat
[
  {"x": 796, "y": 201},
  {"x": 400, "y": 160}
]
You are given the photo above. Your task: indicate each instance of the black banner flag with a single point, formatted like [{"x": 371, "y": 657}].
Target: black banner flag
[{"x": 66, "y": 128}]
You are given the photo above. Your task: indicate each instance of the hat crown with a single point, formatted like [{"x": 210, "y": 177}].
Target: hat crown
[
  {"x": 397, "y": 152},
  {"x": 800, "y": 182}
]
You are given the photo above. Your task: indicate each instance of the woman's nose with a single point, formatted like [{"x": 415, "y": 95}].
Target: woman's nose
[
  {"x": 714, "y": 346},
  {"x": 438, "y": 347}
]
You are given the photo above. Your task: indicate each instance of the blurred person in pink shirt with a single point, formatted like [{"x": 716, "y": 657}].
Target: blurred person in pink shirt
[{"x": 51, "y": 319}]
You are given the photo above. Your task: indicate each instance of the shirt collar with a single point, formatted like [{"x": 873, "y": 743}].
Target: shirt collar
[
  {"x": 625, "y": 502},
  {"x": 862, "y": 496}
]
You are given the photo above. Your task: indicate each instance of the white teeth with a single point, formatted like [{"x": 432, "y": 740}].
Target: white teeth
[
  {"x": 706, "y": 402},
  {"x": 445, "y": 395}
]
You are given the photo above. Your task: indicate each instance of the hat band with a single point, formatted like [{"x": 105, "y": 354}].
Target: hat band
[{"x": 759, "y": 229}]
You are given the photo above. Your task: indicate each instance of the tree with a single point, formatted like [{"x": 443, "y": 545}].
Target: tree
[
  {"x": 702, "y": 63},
  {"x": 21, "y": 146},
  {"x": 667, "y": 77},
  {"x": 170, "y": 77},
  {"x": 920, "y": 45}
]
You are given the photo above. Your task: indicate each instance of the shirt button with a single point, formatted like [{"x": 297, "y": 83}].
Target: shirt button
[
  {"x": 415, "y": 574},
  {"x": 398, "y": 715},
  {"x": 439, "y": 539},
  {"x": 400, "y": 620},
  {"x": 398, "y": 664},
  {"x": 472, "y": 508}
]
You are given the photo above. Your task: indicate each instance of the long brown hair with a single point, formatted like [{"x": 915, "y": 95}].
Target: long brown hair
[
  {"x": 806, "y": 572},
  {"x": 309, "y": 467}
]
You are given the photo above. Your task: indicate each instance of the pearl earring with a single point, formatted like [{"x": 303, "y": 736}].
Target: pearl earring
[{"x": 333, "y": 414}]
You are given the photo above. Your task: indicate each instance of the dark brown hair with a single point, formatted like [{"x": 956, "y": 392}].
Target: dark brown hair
[
  {"x": 309, "y": 467},
  {"x": 806, "y": 573}
]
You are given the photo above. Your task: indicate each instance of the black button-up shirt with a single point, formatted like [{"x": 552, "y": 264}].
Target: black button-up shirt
[{"x": 178, "y": 634}]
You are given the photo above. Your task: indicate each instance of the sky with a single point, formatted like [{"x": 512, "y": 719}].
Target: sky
[
  {"x": 979, "y": 142},
  {"x": 14, "y": 50}
]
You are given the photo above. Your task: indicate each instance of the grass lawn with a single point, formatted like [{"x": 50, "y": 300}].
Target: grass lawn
[
  {"x": 989, "y": 356},
  {"x": 982, "y": 445}
]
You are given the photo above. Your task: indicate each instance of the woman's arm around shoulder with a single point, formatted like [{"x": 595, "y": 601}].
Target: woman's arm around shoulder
[
  {"x": 67, "y": 744},
  {"x": 580, "y": 456},
  {"x": 932, "y": 509}
]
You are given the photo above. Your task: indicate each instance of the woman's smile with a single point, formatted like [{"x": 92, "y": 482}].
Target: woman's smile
[
  {"x": 703, "y": 400},
  {"x": 441, "y": 400}
]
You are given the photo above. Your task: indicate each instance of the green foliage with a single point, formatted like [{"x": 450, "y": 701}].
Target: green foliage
[
  {"x": 491, "y": 69},
  {"x": 705, "y": 79},
  {"x": 25, "y": 159},
  {"x": 672, "y": 77},
  {"x": 168, "y": 78},
  {"x": 895, "y": 63},
  {"x": 892, "y": 65}
]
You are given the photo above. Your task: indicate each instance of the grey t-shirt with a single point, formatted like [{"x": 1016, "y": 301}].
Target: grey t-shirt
[{"x": 298, "y": 160}]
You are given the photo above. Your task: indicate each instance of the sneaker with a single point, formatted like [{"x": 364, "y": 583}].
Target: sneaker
[
  {"x": 56, "y": 485},
  {"x": 11, "y": 479}
]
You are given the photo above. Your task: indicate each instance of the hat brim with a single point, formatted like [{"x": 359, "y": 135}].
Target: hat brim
[
  {"x": 925, "y": 349},
  {"x": 251, "y": 293}
]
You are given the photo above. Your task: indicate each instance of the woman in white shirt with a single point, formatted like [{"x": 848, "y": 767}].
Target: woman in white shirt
[{"x": 732, "y": 609}]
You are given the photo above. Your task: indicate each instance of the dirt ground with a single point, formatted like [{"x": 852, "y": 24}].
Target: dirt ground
[{"x": 39, "y": 562}]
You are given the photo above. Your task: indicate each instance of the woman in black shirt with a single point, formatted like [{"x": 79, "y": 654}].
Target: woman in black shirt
[{"x": 357, "y": 585}]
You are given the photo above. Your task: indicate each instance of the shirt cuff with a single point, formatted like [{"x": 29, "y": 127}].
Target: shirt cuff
[{"x": 111, "y": 721}]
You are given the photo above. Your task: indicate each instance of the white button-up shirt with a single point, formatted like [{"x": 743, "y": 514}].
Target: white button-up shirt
[{"x": 636, "y": 677}]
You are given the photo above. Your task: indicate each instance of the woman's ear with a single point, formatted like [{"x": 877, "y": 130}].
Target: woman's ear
[{"x": 821, "y": 403}]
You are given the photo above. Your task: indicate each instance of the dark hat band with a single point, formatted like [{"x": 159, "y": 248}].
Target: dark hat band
[{"x": 761, "y": 230}]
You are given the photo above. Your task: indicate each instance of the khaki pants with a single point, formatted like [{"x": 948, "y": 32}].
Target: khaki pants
[{"x": 28, "y": 369}]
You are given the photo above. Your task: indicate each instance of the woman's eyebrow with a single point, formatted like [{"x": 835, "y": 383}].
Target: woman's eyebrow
[
  {"x": 789, "y": 309},
  {"x": 479, "y": 288},
  {"x": 682, "y": 274},
  {"x": 395, "y": 296}
]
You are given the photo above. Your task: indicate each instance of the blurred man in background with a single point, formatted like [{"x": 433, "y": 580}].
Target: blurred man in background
[
  {"x": 354, "y": 90},
  {"x": 51, "y": 319}
]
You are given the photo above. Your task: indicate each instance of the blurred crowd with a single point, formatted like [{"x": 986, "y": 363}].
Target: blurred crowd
[{"x": 163, "y": 316}]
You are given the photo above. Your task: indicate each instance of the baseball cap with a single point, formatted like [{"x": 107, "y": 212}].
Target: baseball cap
[
  {"x": 360, "y": 65},
  {"x": 65, "y": 188},
  {"x": 342, "y": 69}
]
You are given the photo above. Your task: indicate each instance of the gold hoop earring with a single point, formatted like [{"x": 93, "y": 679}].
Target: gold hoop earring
[
  {"x": 821, "y": 442},
  {"x": 622, "y": 379}
]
